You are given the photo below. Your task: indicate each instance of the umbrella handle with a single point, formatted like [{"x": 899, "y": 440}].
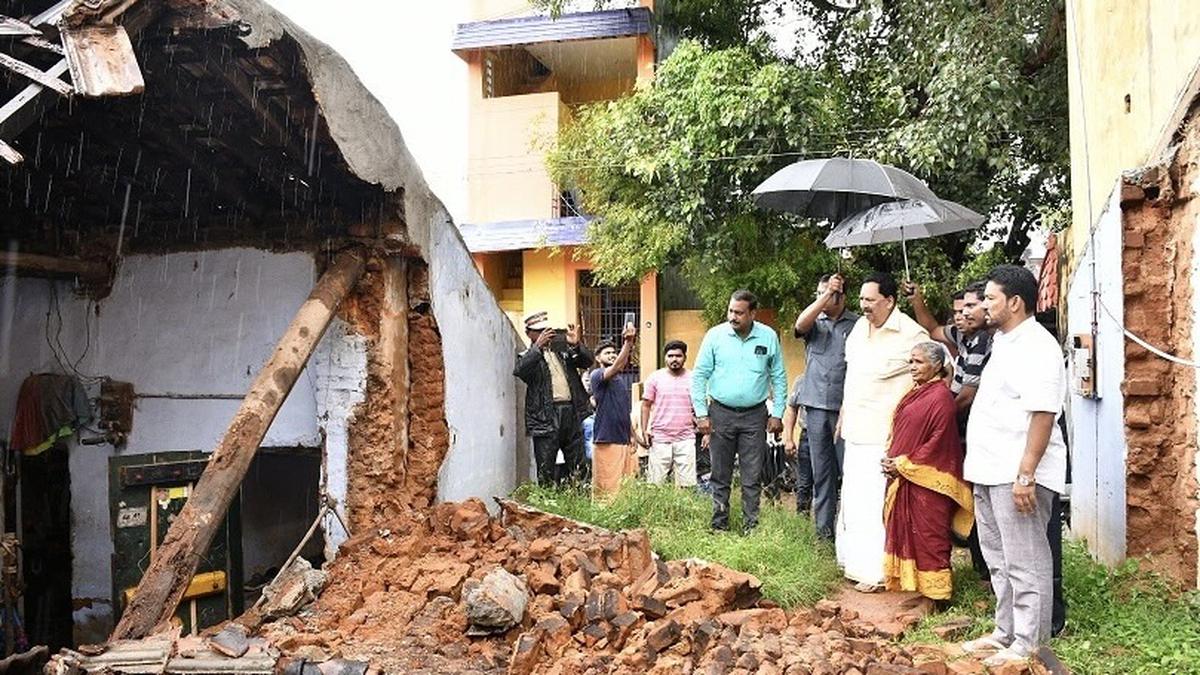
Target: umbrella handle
[{"x": 904, "y": 248}]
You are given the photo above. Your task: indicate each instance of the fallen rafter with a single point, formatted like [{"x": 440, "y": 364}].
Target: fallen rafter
[{"x": 172, "y": 566}]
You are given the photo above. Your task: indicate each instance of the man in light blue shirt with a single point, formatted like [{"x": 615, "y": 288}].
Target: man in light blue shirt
[{"x": 739, "y": 367}]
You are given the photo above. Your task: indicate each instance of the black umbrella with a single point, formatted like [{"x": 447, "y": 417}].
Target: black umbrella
[{"x": 836, "y": 188}]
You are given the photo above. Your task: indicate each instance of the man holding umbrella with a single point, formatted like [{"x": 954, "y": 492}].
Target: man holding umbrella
[{"x": 824, "y": 326}]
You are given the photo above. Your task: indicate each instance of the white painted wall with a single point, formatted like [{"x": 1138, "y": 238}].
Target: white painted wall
[
  {"x": 1097, "y": 426},
  {"x": 184, "y": 323}
]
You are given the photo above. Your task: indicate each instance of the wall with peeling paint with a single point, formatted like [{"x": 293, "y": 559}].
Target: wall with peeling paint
[{"x": 184, "y": 323}]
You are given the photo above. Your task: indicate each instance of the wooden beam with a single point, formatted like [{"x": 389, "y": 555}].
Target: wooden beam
[
  {"x": 191, "y": 533},
  {"x": 10, "y": 154},
  {"x": 45, "y": 79},
  {"x": 49, "y": 266},
  {"x": 393, "y": 352}
]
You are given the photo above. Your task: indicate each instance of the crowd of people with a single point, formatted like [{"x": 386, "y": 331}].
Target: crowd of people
[{"x": 915, "y": 435}]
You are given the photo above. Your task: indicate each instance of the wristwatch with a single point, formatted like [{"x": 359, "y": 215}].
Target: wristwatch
[{"x": 1024, "y": 481}]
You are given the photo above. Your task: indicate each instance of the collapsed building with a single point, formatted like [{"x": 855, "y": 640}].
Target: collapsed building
[{"x": 211, "y": 189}]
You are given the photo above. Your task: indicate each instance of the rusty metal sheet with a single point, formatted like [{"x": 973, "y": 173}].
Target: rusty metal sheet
[{"x": 102, "y": 61}]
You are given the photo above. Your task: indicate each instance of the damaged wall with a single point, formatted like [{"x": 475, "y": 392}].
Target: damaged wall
[
  {"x": 489, "y": 453},
  {"x": 184, "y": 323},
  {"x": 1160, "y": 229}
]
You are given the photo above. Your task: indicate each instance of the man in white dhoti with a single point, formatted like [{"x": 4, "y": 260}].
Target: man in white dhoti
[{"x": 877, "y": 352}]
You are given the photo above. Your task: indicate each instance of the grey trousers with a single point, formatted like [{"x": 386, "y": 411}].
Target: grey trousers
[
  {"x": 740, "y": 433},
  {"x": 1018, "y": 555},
  {"x": 826, "y": 467}
]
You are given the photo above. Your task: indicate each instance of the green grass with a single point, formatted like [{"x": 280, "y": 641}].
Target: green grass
[
  {"x": 1119, "y": 621},
  {"x": 794, "y": 566}
]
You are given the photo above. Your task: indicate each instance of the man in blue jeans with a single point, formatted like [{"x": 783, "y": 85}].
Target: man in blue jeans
[{"x": 823, "y": 326}]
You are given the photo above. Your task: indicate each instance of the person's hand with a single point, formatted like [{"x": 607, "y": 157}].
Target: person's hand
[
  {"x": 888, "y": 464},
  {"x": 789, "y": 447},
  {"x": 544, "y": 338},
  {"x": 911, "y": 290},
  {"x": 704, "y": 425},
  {"x": 572, "y": 334},
  {"x": 704, "y": 441},
  {"x": 835, "y": 285},
  {"x": 1024, "y": 497},
  {"x": 630, "y": 333},
  {"x": 646, "y": 440},
  {"x": 837, "y": 430},
  {"x": 774, "y": 425}
]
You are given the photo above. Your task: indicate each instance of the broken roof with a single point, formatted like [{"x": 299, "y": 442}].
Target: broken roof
[{"x": 249, "y": 131}]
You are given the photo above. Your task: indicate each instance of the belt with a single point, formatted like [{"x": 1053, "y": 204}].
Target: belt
[
  {"x": 567, "y": 402},
  {"x": 734, "y": 408}
]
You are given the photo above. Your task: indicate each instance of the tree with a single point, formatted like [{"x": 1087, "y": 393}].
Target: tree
[{"x": 971, "y": 96}]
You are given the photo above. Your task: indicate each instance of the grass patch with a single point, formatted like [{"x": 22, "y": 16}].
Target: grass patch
[
  {"x": 1119, "y": 621},
  {"x": 795, "y": 567}
]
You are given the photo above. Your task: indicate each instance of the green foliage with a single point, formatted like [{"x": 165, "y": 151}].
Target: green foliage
[
  {"x": 970, "y": 96},
  {"x": 668, "y": 170},
  {"x": 1118, "y": 621},
  {"x": 783, "y": 552}
]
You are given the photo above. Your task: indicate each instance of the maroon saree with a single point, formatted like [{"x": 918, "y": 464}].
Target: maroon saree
[{"x": 928, "y": 498}]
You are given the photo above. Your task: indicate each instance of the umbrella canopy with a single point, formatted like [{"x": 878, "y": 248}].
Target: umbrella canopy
[
  {"x": 902, "y": 221},
  {"x": 837, "y": 187}
]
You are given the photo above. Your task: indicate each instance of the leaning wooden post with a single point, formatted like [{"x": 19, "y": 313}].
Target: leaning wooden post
[{"x": 174, "y": 563}]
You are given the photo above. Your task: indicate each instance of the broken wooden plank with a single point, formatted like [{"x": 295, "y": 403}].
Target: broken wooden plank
[
  {"x": 33, "y": 264},
  {"x": 43, "y": 78},
  {"x": 191, "y": 533},
  {"x": 10, "y": 27},
  {"x": 10, "y": 154},
  {"x": 43, "y": 43},
  {"x": 22, "y": 109},
  {"x": 102, "y": 61}
]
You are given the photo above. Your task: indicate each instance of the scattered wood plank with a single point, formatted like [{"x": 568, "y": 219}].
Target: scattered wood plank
[
  {"x": 191, "y": 533},
  {"x": 43, "y": 78}
]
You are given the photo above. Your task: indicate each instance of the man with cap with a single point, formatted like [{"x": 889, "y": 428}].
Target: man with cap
[{"x": 555, "y": 400}]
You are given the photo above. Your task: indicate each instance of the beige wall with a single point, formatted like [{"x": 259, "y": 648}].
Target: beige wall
[{"x": 1144, "y": 49}]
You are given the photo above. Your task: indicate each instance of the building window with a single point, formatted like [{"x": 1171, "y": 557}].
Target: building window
[{"x": 602, "y": 311}]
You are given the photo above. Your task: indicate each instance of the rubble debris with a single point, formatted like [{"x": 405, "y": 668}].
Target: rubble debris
[
  {"x": 231, "y": 640},
  {"x": 496, "y": 603},
  {"x": 296, "y": 587},
  {"x": 166, "y": 652},
  {"x": 400, "y": 597}
]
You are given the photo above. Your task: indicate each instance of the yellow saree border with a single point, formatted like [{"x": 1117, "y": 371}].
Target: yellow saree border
[
  {"x": 940, "y": 482},
  {"x": 901, "y": 574}
]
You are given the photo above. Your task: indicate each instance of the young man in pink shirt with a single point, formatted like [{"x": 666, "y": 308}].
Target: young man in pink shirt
[{"x": 671, "y": 435}]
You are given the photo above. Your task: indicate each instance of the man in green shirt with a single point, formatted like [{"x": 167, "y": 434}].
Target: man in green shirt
[{"x": 739, "y": 367}]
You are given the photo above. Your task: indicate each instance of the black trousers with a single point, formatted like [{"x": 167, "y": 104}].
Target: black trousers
[
  {"x": 568, "y": 438},
  {"x": 741, "y": 434}
]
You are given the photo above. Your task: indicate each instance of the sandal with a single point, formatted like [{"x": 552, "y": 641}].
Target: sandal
[
  {"x": 865, "y": 587},
  {"x": 983, "y": 644},
  {"x": 1005, "y": 656}
]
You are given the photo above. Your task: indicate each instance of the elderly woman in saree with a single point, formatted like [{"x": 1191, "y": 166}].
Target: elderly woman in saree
[{"x": 926, "y": 496}]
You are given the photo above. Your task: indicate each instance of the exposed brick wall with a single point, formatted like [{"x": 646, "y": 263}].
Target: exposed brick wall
[{"x": 1160, "y": 219}]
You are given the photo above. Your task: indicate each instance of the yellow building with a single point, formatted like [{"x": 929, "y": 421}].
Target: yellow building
[
  {"x": 526, "y": 73},
  {"x": 1130, "y": 278}
]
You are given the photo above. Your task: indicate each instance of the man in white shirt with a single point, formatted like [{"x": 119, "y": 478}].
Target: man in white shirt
[
  {"x": 877, "y": 352},
  {"x": 1017, "y": 461}
]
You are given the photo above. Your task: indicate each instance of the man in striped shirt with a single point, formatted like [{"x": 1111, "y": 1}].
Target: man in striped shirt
[{"x": 967, "y": 334}]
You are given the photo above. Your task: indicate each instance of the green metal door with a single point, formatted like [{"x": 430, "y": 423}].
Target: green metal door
[{"x": 146, "y": 493}]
